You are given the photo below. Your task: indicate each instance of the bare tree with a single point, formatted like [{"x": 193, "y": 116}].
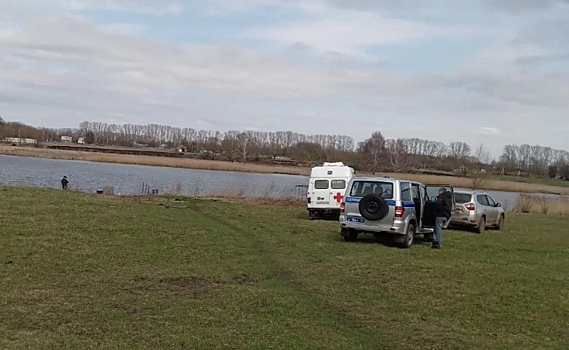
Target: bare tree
[
  {"x": 374, "y": 150},
  {"x": 397, "y": 154},
  {"x": 459, "y": 150},
  {"x": 482, "y": 155}
]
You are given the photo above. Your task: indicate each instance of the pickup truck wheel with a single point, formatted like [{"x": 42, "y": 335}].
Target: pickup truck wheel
[
  {"x": 481, "y": 226},
  {"x": 500, "y": 225},
  {"x": 349, "y": 235},
  {"x": 406, "y": 240}
]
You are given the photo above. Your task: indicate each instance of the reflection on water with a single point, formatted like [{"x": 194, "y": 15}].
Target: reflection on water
[{"x": 128, "y": 179}]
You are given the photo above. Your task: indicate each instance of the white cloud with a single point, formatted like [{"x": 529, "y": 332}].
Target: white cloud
[
  {"x": 134, "y": 65},
  {"x": 56, "y": 6},
  {"x": 351, "y": 32},
  {"x": 488, "y": 131}
]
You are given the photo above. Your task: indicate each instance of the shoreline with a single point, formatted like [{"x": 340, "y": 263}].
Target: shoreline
[{"x": 490, "y": 184}]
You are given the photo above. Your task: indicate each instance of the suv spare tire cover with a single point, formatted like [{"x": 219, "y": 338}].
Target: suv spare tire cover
[{"x": 373, "y": 207}]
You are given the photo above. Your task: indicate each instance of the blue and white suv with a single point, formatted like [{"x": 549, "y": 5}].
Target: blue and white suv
[{"x": 402, "y": 208}]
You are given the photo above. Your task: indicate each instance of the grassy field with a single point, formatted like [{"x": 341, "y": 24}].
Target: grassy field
[
  {"x": 80, "y": 271},
  {"x": 512, "y": 184}
]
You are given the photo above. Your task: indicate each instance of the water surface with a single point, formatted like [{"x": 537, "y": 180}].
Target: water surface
[{"x": 128, "y": 179}]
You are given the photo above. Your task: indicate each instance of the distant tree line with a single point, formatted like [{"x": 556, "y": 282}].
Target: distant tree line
[
  {"x": 536, "y": 160},
  {"x": 373, "y": 154}
]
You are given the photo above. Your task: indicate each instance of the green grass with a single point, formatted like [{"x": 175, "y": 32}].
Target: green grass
[{"x": 79, "y": 271}]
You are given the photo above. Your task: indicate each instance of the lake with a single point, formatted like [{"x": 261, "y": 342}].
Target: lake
[{"x": 128, "y": 179}]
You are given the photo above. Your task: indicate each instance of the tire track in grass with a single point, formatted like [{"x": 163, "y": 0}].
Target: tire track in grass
[{"x": 280, "y": 273}]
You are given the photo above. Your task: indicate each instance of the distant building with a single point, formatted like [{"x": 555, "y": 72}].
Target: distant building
[
  {"x": 20, "y": 140},
  {"x": 66, "y": 139},
  {"x": 12, "y": 140},
  {"x": 182, "y": 149},
  {"x": 81, "y": 141},
  {"x": 164, "y": 146},
  {"x": 135, "y": 144}
]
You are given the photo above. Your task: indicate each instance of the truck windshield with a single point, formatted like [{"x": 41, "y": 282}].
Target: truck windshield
[{"x": 363, "y": 188}]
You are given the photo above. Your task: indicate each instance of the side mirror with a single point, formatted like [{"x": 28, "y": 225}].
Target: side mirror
[{"x": 498, "y": 205}]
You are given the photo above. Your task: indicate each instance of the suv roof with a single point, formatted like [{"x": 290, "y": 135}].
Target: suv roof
[{"x": 384, "y": 179}]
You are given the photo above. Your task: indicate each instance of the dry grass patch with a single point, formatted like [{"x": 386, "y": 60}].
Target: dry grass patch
[
  {"x": 542, "y": 205},
  {"x": 199, "y": 164}
]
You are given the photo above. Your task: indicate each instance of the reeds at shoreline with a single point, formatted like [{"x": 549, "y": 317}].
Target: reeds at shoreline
[{"x": 529, "y": 204}]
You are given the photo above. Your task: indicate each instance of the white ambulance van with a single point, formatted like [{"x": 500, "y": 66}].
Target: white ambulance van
[{"x": 327, "y": 188}]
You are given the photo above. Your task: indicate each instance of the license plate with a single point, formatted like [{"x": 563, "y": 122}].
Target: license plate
[{"x": 358, "y": 220}]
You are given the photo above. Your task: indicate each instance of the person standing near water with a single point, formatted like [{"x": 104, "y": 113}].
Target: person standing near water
[{"x": 65, "y": 183}]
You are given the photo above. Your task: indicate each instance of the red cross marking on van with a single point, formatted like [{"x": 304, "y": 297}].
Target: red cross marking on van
[{"x": 338, "y": 197}]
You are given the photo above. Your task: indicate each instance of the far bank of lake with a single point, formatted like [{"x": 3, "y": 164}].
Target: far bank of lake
[{"x": 493, "y": 184}]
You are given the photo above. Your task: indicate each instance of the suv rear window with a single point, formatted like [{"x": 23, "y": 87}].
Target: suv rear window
[
  {"x": 462, "y": 198},
  {"x": 321, "y": 184},
  {"x": 362, "y": 188},
  {"x": 338, "y": 184}
]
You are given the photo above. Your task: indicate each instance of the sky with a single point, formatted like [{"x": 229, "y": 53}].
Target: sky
[{"x": 490, "y": 72}]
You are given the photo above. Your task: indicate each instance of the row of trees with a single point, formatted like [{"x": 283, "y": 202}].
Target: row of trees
[
  {"x": 373, "y": 154},
  {"x": 536, "y": 160},
  {"x": 250, "y": 144},
  {"x": 400, "y": 154}
]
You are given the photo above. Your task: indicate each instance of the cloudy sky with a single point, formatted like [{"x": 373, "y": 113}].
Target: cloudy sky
[{"x": 487, "y": 71}]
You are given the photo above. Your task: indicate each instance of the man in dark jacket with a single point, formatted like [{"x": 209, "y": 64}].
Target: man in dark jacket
[
  {"x": 65, "y": 183},
  {"x": 443, "y": 214}
]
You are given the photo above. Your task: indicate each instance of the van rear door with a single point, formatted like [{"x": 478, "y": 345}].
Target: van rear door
[
  {"x": 432, "y": 192},
  {"x": 337, "y": 191},
  {"x": 320, "y": 193}
]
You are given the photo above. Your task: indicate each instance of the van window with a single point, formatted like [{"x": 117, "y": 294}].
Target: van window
[
  {"x": 462, "y": 198},
  {"x": 405, "y": 191},
  {"x": 338, "y": 184},
  {"x": 362, "y": 188},
  {"x": 321, "y": 184}
]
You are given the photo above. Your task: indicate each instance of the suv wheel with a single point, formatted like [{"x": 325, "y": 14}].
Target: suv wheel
[
  {"x": 500, "y": 225},
  {"x": 349, "y": 235},
  {"x": 406, "y": 240},
  {"x": 481, "y": 225}
]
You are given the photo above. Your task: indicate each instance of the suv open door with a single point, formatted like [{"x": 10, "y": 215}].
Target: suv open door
[{"x": 432, "y": 192}]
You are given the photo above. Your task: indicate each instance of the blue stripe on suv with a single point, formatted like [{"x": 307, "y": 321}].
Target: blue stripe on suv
[{"x": 389, "y": 202}]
